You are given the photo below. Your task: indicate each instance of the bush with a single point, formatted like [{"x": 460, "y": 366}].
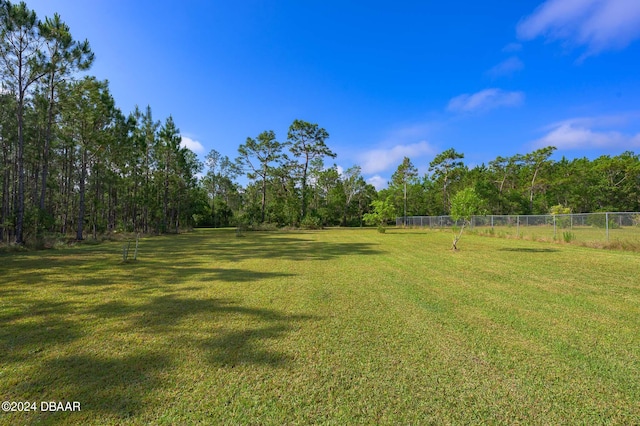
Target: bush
[
  {"x": 382, "y": 229},
  {"x": 568, "y": 237},
  {"x": 310, "y": 222},
  {"x": 12, "y": 248},
  {"x": 383, "y": 211},
  {"x": 266, "y": 226},
  {"x": 559, "y": 213}
]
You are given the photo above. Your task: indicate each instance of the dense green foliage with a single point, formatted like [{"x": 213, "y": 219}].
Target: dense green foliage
[
  {"x": 343, "y": 326},
  {"x": 532, "y": 183},
  {"x": 382, "y": 213},
  {"x": 72, "y": 164}
]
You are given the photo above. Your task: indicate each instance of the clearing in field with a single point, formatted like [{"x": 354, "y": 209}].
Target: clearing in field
[{"x": 337, "y": 326}]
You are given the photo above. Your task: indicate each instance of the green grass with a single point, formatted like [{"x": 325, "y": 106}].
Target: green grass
[
  {"x": 625, "y": 238},
  {"x": 338, "y": 326}
]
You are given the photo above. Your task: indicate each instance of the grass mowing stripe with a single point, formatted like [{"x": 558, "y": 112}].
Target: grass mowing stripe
[{"x": 335, "y": 326}]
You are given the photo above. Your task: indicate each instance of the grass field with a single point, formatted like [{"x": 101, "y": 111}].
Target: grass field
[
  {"x": 342, "y": 326},
  {"x": 626, "y": 238}
]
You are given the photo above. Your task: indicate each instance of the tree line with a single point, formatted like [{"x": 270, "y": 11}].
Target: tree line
[
  {"x": 71, "y": 161},
  {"x": 531, "y": 183},
  {"x": 74, "y": 164},
  {"x": 289, "y": 184}
]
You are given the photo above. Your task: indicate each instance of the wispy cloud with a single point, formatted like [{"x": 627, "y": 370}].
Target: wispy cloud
[
  {"x": 590, "y": 133},
  {"x": 193, "y": 145},
  {"x": 378, "y": 160},
  {"x": 506, "y": 67},
  {"x": 598, "y": 25},
  {"x": 485, "y": 100}
]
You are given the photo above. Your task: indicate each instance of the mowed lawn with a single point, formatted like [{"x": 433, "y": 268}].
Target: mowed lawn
[{"x": 345, "y": 326}]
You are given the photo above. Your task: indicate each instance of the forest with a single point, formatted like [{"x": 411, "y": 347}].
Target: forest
[{"x": 75, "y": 166}]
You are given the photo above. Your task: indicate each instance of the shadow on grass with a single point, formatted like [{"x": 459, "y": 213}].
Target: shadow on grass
[
  {"x": 529, "y": 250},
  {"x": 126, "y": 351},
  {"x": 174, "y": 259},
  {"x": 113, "y": 386},
  {"x": 167, "y": 312},
  {"x": 28, "y": 328},
  {"x": 80, "y": 325},
  {"x": 231, "y": 348},
  {"x": 224, "y": 246},
  {"x": 151, "y": 276}
]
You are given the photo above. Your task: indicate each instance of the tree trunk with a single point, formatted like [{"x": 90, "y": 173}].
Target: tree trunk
[
  {"x": 304, "y": 188},
  {"x": 6, "y": 190},
  {"x": 81, "y": 206},
  {"x": 20, "y": 161},
  {"x": 47, "y": 146},
  {"x": 165, "y": 199},
  {"x": 456, "y": 238},
  {"x": 533, "y": 181},
  {"x": 264, "y": 194}
]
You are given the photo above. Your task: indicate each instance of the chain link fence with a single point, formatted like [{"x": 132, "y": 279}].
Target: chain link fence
[{"x": 584, "y": 227}]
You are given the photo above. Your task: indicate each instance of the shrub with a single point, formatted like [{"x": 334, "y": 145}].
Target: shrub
[
  {"x": 559, "y": 212},
  {"x": 559, "y": 209},
  {"x": 12, "y": 248},
  {"x": 568, "y": 236},
  {"x": 266, "y": 226},
  {"x": 59, "y": 244},
  {"x": 310, "y": 222},
  {"x": 464, "y": 205},
  {"x": 383, "y": 211}
]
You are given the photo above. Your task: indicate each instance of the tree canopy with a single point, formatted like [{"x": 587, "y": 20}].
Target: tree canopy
[{"x": 73, "y": 163}]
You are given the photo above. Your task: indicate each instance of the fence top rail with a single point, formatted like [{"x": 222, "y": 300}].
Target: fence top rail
[
  {"x": 631, "y": 218},
  {"x": 519, "y": 215}
]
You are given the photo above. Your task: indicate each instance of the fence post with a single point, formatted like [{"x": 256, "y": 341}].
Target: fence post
[
  {"x": 518, "y": 226},
  {"x": 606, "y": 224},
  {"x": 555, "y": 232}
]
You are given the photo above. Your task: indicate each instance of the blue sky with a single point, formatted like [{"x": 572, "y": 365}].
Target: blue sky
[{"x": 385, "y": 79}]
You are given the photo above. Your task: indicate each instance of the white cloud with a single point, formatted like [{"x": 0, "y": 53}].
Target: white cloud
[
  {"x": 485, "y": 100},
  {"x": 193, "y": 145},
  {"x": 378, "y": 160},
  {"x": 598, "y": 25},
  {"x": 589, "y": 133},
  {"x": 377, "y": 181},
  {"x": 506, "y": 67}
]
